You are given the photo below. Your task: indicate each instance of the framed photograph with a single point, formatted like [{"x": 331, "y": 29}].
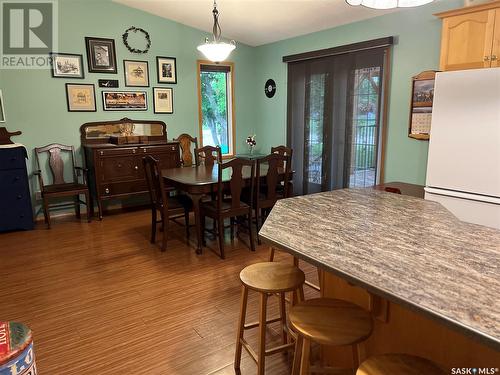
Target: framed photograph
[
  {"x": 2, "y": 110},
  {"x": 108, "y": 83},
  {"x": 136, "y": 73},
  {"x": 167, "y": 69},
  {"x": 67, "y": 65},
  {"x": 163, "y": 100},
  {"x": 124, "y": 100},
  {"x": 101, "y": 55},
  {"x": 80, "y": 97}
]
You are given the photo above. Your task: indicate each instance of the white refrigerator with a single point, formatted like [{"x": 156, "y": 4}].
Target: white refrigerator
[{"x": 463, "y": 169}]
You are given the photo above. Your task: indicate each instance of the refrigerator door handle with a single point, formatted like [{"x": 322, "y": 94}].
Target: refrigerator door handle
[{"x": 463, "y": 195}]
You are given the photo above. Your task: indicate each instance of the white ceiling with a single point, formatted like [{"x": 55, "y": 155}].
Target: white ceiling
[{"x": 257, "y": 22}]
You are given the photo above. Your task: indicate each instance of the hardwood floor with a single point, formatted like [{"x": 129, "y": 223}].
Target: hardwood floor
[{"x": 101, "y": 299}]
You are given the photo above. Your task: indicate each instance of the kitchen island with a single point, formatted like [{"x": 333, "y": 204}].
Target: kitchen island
[{"x": 408, "y": 260}]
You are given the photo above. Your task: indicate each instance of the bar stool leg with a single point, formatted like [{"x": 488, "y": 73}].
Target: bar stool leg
[
  {"x": 297, "y": 355},
  {"x": 355, "y": 357},
  {"x": 283, "y": 318},
  {"x": 306, "y": 353},
  {"x": 261, "y": 360},
  {"x": 241, "y": 325},
  {"x": 271, "y": 254}
]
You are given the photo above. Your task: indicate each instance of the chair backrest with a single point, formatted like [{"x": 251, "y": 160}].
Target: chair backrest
[
  {"x": 239, "y": 170},
  {"x": 55, "y": 152},
  {"x": 277, "y": 165},
  {"x": 186, "y": 143},
  {"x": 392, "y": 190},
  {"x": 284, "y": 151},
  {"x": 208, "y": 155},
  {"x": 156, "y": 187}
]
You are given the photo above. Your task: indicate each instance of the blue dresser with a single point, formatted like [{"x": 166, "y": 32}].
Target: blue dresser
[{"x": 15, "y": 200}]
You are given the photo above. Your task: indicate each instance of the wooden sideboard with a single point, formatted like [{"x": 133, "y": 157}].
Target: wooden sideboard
[
  {"x": 470, "y": 37},
  {"x": 116, "y": 170}
]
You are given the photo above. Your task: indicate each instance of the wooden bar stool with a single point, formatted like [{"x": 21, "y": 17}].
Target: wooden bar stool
[
  {"x": 401, "y": 364},
  {"x": 272, "y": 251},
  {"x": 330, "y": 322},
  {"x": 266, "y": 278}
]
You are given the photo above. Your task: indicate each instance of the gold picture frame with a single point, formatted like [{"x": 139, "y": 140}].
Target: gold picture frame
[{"x": 80, "y": 97}]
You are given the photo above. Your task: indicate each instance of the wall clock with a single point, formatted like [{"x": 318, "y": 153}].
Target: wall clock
[{"x": 270, "y": 88}]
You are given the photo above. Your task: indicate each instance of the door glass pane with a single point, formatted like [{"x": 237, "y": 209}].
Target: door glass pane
[
  {"x": 363, "y": 166},
  {"x": 214, "y": 109},
  {"x": 315, "y": 136}
]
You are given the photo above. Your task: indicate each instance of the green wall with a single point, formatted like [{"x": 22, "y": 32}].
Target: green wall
[
  {"x": 417, "y": 48},
  {"x": 35, "y": 103}
]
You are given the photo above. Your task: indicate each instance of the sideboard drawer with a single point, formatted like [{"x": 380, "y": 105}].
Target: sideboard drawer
[
  {"x": 156, "y": 149},
  {"x": 129, "y": 187},
  {"x": 13, "y": 158},
  {"x": 118, "y": 151}
]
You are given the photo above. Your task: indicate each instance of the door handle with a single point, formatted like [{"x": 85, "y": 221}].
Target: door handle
[
  {"x": 486, "y": 58},
  {"x": 493, "y": 57}
]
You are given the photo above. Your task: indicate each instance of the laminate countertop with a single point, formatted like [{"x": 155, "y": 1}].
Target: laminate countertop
[{"x": 408, "y": 250}]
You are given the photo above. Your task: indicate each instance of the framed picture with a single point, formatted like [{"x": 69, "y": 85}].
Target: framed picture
[
  {"x": 124, "y": 100},
  {"x": 67, "y": 65},
  {"x": 163, "y": 100},
  {"x": 136, "y": 73},
  {"x": 80, "y": 97},
  {"x": 2, "y": 110},
  {"x": 101, "y": 55},
  {"x": 108, "y": 83},
  {"x": 167, "y": 70},
  {"x": 422, "y": 97}
]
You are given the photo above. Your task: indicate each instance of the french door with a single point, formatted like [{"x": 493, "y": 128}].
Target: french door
[{"x": 334, "y": 120}]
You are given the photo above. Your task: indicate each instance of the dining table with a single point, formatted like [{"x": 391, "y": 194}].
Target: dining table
[{"x": 200, "y": 181}]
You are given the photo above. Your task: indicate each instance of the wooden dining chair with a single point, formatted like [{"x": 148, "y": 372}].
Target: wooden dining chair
[
  {"x": 60, "y": 186},
  {"x": 170, "y": 208},
  {"x": 285, "y": 151},
  {"x": 394, "y": 190},
  {"x": 271, "y": 187},
  {"x": 228, "y": 202},
  {"x": 187, "y": 145},
  {"x": 208, "y": 155}
]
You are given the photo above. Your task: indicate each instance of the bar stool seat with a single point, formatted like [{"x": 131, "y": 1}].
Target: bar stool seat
[
  {"x": 401, "y": 364},
  {"x": 329, "y": 322},
  {"x": 272, "y": 277},
  {"x": 267, "y": 279}
]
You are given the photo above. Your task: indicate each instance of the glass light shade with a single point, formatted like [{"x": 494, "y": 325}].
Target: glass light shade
[
  {"x": 216, "y": 52},
  {"x": 388, "y": 4}
]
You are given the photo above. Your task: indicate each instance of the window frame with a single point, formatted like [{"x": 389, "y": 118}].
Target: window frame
[{"x": 230, "y": 105}]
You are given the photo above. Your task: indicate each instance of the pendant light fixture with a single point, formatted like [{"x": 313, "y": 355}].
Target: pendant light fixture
[
  {"x": 388, "y": 4},
  {"x": 216, "y": 50}
]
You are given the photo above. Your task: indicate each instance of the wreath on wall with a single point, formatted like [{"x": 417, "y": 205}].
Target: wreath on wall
[{"x": 135, "y": 30}]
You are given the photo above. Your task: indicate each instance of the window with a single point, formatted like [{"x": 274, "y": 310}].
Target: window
[
  {"x": 365, "y": 126},
  {"x": 335, "y": 120},
  {"x": 216, "y": 106}
]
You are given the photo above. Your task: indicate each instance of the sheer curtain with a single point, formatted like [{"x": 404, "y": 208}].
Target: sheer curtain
[{"x": 334, "y": 119}]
